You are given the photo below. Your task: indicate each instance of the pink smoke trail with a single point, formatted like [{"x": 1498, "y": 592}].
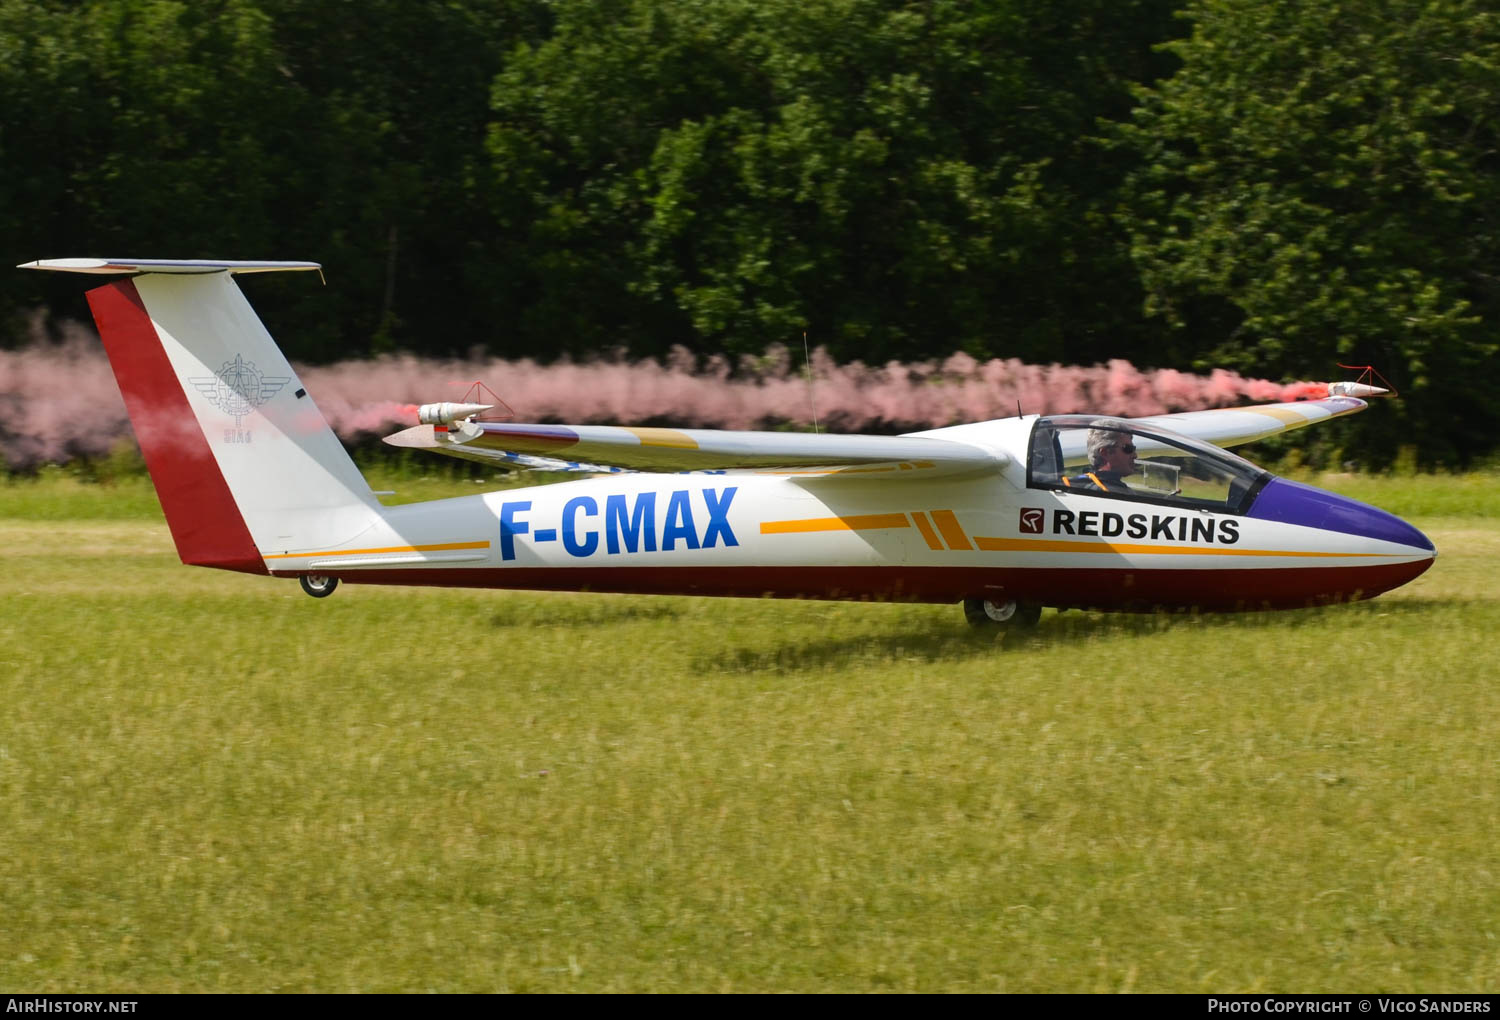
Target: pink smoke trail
[{"x": 58, "y": 400}]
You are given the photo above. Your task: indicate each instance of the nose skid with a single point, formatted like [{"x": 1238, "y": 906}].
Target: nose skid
[{"x": 1287, "y": 502}]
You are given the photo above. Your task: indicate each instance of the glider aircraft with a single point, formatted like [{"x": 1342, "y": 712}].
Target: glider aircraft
[{"x": 1005, "y": 516}]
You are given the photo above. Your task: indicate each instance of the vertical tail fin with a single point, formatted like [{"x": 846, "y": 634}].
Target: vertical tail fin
[{"x": 244, "y": 463}]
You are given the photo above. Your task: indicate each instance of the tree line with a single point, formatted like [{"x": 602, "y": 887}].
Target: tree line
[{"x": 1270, "y": 186}]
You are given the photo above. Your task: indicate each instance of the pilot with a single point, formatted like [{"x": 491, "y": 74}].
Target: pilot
[{"x": 1112, "y": 457}]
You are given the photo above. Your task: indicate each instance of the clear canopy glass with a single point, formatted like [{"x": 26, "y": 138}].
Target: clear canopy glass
[{"x": 1083, "y": 453}]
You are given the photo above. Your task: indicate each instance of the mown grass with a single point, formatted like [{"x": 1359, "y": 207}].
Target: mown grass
[{"x": 209, "y": 781}]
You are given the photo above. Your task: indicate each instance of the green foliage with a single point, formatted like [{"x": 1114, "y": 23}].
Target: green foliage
[
  {"x": 136, "y": 123},
  {"x": 1326, "y": 171},
  {"x": 897, "y": 179},
  {"x": 1291, "y": 185},
  {"x": 347, "y": 133}
]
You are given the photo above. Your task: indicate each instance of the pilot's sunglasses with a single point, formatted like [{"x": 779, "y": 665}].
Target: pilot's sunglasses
[{"x": 1127, "y": 448}]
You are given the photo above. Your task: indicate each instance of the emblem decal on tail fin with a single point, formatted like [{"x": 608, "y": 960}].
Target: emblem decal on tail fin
[{"x": 238, "y": 388}]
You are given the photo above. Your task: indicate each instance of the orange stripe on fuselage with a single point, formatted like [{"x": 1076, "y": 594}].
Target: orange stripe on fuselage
[
  {"x": 953, "y": 532},
  {"x": 925, "y": 527},
  {"x": 441, "y": 547},
  {"x": 855, "y": 522},
  {"x": 987, "y": 544}
]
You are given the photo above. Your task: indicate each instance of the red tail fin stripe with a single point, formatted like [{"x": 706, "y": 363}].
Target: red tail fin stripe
[{"x": 205, "y": 522}]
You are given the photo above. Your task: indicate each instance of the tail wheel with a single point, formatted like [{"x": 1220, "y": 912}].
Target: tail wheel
[
  {"x": 318, "y": 586},
  {"x": 1007, "y": 614}
]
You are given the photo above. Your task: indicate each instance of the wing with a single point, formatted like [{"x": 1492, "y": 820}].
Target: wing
[
  {"x": 1234, "y": 426},
  {"x": 657, "y": 449},
  {"x": 940, "y": 452}
]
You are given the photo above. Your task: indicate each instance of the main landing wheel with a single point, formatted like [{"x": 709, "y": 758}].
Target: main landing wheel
[
  {"x": 1008, "y": 614},
  {"x": 317, "y": 585}
]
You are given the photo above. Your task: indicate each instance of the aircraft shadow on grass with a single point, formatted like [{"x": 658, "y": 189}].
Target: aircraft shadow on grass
[
  {"x": 945, "y": 645},
  {"x": 592, "y": 613},
  {"x": 931, "y": 645}
]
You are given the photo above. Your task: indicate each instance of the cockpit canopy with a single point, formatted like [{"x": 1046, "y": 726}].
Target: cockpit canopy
[{"x": 1169, "y": 468}]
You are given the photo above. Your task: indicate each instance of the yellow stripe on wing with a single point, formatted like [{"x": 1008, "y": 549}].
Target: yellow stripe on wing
[
  {"x": 1285, "y": 415},
  {"x": 670, "y": 438}
]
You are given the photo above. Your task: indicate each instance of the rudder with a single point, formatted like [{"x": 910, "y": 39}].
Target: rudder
[
  {"x": 244, "y": 463},
  {"x": 206, "y": 526}
]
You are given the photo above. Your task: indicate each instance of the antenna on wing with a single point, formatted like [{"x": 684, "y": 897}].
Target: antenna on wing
[
  {"x": 1364, "y": 385},
  {"x": 811, "y": 395},
  {"x": 478, "y": 392}
]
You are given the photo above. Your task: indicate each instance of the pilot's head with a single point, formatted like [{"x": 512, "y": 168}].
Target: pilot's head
[{"x": 1113, "y": 450}]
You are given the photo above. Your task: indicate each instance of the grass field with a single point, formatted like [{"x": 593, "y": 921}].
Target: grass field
[{"x": 209, "y": 782}]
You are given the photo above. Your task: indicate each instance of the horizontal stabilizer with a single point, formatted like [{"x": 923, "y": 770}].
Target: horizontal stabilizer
[{"x": 115, "y": 267}]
